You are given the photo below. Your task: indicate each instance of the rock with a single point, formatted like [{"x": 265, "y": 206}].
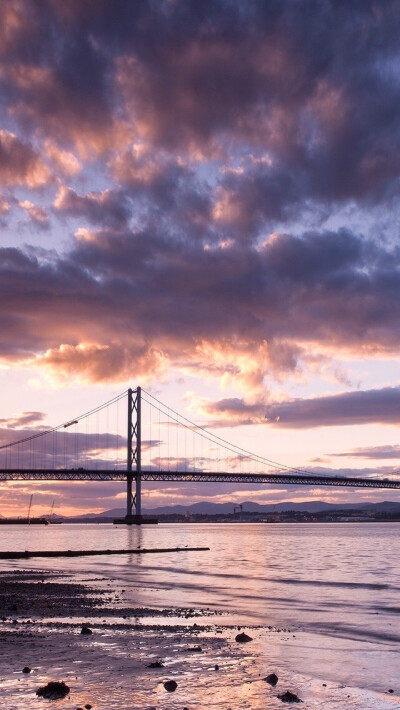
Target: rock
[
  {"x": 289, "y": 697},
  {"x": 243, "y": 638},
  {"x": 216, "y": 667},
  {"x": 88, "y": 706},
  {"x": 196, "y": 649},
  {"x": 55, "y": 690},
  {"x": 170, "y": 686},
  {"x": 272, "y": 679},
  {"x": 156, "y": 664},
  {"x": 86, "y": 630},
  {"x": 26, "y": 669},
  {"x": 390, "y": 690}
]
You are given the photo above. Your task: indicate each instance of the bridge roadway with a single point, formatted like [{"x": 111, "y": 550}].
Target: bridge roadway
[{"x": 280, "y": 479}]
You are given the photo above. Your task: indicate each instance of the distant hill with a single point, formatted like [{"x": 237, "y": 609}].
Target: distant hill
[{"x": 208, "y": 508}]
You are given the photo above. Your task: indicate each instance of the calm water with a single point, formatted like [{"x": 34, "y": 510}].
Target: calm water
[{"x": 335, "y": 586}]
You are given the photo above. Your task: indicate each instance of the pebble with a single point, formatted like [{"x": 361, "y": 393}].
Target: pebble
[
  {"x": 243, "y": 638},
  {"x": 26, "y": 669},
  {"x": 289, "y": 697},
  {"x": 55, "y": 690},
  {"x": 272, "y": 679},
  {"x": 170, "y": 686},
  {"x": 86, "y": 630}
]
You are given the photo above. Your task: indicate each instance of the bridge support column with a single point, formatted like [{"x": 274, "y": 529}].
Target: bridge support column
[
  {"x": 134, "y": 458},
  {"x": 138, "y": 453},
  {"x": 134, "y": 461}
]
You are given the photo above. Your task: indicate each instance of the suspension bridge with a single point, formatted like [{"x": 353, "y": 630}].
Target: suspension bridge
[{"x": 134, "y": 437}]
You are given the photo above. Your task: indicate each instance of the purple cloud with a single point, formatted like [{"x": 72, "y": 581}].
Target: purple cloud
[
  {"x": 360, "y": 407},
  {"x": 372, "y": 452}
]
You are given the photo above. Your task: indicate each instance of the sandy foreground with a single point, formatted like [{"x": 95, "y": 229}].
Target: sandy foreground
[{"x": 41, "y": 618}]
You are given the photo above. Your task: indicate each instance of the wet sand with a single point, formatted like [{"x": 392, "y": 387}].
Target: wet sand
[{"x": 41, "y": 620}]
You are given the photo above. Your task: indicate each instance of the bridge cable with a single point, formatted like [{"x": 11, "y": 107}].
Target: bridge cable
[{"x": 201, "y": 431}]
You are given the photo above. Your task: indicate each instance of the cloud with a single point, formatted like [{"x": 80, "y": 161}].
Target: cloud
[
  {"x": 23, "y": 419},
  {"x": 35, "y": 213},
  {"x": 379, "y": 406},
  {"x": 104, "y": 363},
  {"x": 20, "y": 164},
  {"x": 121, "y": 297},
  {"x": 232, "y": 411},
  {"x": 105, "y": 208},
  {"x": 376, "y": 406},
  {"x": 372, "y": 452},
  {"x": 63, "y": 161},
  {"x": 311, "y": 87},
  {"x": 4, "y": 206}
]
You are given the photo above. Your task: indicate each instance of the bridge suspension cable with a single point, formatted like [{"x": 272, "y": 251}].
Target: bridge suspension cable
[
  {"x": 64, "y": 425},
  {"x": 207, "y": 435}
]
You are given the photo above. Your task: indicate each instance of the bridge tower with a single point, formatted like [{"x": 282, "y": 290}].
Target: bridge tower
[
  {"x": 134, "y": 461},
  {"x": 134, "y": 454}
]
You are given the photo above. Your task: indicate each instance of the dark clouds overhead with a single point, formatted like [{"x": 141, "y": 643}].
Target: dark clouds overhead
[
  {"x": 194, "y": 162},
  {"x": 147, "y": 292}
]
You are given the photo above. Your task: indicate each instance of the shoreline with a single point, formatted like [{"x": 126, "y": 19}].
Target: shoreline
[{"x": 40, "y": 628}]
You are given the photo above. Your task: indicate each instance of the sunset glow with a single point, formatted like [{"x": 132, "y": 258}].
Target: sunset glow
[{"x": 201, "y": 198}]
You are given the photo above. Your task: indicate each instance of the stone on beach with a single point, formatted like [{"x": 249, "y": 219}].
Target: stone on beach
[
  {"x": 26, "y": 669},
  {"x": 86, "y": 630},
  {"x": 243, "y": 638},
  {"x": 156, "y": 664},
  {"x": 272, "y": 679},
  {"x": 55, "y": 690},
  {"x": 289, "y": 697},
  {"x": 170, "y": 686}
]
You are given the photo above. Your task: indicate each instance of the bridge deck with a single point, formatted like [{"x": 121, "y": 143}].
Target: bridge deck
[{"x": 196, "y": 477}]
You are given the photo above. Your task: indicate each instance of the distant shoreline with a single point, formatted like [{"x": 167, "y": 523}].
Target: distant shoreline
[{"x": 102, "y": 521}]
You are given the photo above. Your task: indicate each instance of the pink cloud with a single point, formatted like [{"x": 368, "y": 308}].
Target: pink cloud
[{"x": 20, "y": 164}]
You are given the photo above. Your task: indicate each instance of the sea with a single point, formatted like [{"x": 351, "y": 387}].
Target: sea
[{"x": 332, "y": 591}]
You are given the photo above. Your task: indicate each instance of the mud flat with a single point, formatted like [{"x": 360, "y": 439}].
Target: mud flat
[{"x": 127, "y": 656}]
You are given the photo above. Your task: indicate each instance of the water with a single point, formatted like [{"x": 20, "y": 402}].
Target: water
[{"x": 333, "y": 588}]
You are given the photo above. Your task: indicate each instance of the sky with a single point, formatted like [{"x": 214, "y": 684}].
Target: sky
[{"x": 202, "y": 198}]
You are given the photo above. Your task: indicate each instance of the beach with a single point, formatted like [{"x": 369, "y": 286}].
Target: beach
[{"x": 44, "y": 610}]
